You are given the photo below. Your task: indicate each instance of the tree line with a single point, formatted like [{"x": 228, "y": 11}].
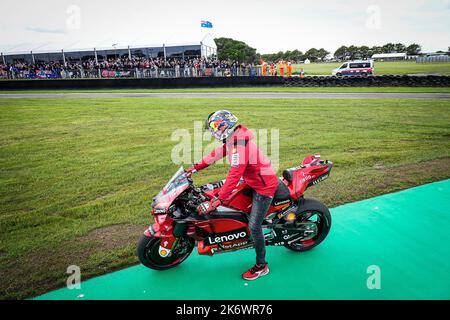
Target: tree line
[
  {"x": 344, "y": 52},
  {"x": 312, "y": 54},
  {"x": 364, "y": 52},
  {"x": 230, "y": 49}
]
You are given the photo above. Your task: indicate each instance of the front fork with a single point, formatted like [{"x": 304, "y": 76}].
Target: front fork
[{"x": 163, "y": 229}]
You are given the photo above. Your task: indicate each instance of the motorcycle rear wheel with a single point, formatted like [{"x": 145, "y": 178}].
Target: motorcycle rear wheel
[
  {"x": 309, "y": 210},
  {"x": 148, "y": 253}
]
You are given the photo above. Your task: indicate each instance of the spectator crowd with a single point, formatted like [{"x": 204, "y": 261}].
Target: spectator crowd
[{"x": 126, "y": 67}]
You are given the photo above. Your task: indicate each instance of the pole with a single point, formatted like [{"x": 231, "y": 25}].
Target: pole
[
  {"x": 64, "y": 58},
  {"x": 3, "y": 59},
  {"x": 164, "y": 48},
  {"x": 32, "y": 57},
  {"x": 95, "y": 55},
  {"x": 129, "y": 53}
]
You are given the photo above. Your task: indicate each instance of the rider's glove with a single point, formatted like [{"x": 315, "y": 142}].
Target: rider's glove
[
  {"x": 190, "y": 171},
  {"x": 208, "y": 206}
]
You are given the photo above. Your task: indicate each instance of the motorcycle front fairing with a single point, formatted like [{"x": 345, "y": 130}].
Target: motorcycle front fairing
[{"x": 163, "y": 225}]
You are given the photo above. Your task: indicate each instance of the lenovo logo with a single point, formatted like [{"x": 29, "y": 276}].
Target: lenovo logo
[{"x": 219, "y": 238}]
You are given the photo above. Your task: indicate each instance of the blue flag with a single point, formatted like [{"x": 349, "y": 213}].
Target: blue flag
[{"x": 206, "y": 24}]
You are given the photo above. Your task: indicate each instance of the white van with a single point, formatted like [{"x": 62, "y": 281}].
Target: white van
[{"x": 355, "y": 68}]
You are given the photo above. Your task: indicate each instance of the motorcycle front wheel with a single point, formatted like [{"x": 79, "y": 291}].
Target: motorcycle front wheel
[{"x": 148, "y": 252}]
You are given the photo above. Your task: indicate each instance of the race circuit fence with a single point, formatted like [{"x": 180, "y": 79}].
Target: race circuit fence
[
  {"x": 137, "y": 73},
  {"x": 433, "y": 59}
]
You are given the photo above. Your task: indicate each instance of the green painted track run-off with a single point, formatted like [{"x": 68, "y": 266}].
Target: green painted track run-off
[{"x": 405, "y": 234}]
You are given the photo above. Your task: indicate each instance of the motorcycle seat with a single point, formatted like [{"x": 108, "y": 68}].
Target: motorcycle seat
[
  {"x": 288, "y": 174},
  {"x": 282, "y": 192}
]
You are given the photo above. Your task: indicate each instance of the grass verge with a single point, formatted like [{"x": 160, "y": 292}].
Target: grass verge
[
  {"x": 78, "y": 175},
  {"x": 252, "y": 89}
]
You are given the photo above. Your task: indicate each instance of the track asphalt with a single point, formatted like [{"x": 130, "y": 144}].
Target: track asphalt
[
  {"x": 241, "y": 95},
  {"x": 403, "y": 235}
]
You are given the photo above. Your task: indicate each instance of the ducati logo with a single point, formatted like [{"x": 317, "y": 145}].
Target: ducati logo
[{"x": 308, "y": 177}]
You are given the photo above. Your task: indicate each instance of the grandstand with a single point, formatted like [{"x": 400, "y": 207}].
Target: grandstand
[{"x": 35, "y": 54}]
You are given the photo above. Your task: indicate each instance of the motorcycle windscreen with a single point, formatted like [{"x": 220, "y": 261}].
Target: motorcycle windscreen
[{"x": 176, "y": 185}]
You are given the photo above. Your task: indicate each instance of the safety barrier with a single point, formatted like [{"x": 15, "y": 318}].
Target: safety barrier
[
  {"x": 133, "y": 83},
  {"x": 236, "y": 81},
  {"x": 369, "y": 81}
]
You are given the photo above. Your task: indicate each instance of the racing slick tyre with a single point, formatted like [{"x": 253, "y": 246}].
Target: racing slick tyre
[
  {"x": 314, "y": 211},
  {"x": 148, "y": 252}
]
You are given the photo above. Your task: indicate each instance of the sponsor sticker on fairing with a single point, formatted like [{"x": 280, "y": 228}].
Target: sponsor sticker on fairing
[
  {"x": 163, "y": 252},
  {"x": 235, "y": 160},
  {"x": 234, "y": 245}
]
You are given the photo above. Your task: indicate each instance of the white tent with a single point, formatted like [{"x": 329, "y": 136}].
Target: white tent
[
  {"x": 208, "y": 45},
  {"x": 388, "y": 56}
]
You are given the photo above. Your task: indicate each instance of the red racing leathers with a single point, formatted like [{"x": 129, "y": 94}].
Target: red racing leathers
[{"x": 247, "y": 161}]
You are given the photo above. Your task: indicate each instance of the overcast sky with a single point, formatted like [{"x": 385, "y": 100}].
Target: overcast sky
[{"x": 267, "y": 25}]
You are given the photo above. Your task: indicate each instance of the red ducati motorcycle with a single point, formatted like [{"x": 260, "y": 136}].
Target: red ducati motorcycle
[{"x": 292, "y": 221}]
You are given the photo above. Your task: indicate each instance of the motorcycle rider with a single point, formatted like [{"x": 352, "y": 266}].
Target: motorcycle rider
[{"x": 247, "y": 162}]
